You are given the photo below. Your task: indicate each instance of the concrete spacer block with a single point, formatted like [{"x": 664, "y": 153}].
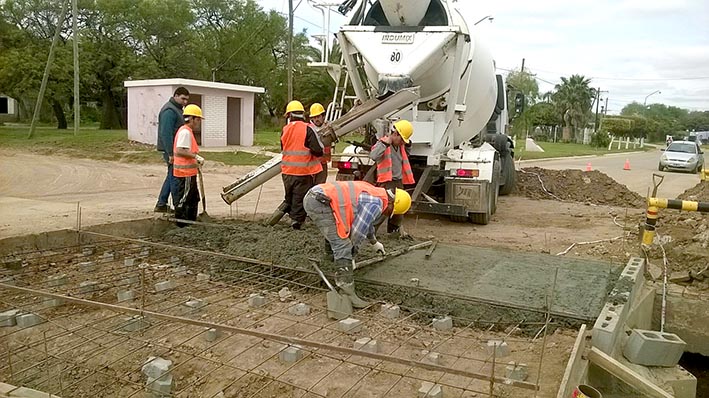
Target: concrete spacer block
[
  {"x": 367, "y": 344},
  {"x": 196, "y": 303},
  {"x": 429, "y": 357},
  {"x": 28, "y": 320},
  {"x": 516, "y": 371},
  {"x": 52, "y": 303},
  {"x": 430, "y": 390},
  {"x": 130, "y": 280},
  {"x": 284, "y": 294},
  {"x": 165, "y": 285},
  {"x": 202, "y": 277},
  {"x": 175, "y": 260},
  {"x": 390, "y": 311},
  {"x": 87, "y": 251},
  {"x": 181, "y": 271},
  {"x": 256, "y": 300},
  {"x": 8, "y": 318},
  {"x": 651, "y": 348},
  {"x": 212, "y": 335},
  {"x": 9, "y": 280},
  {"x": 125, "y": 295},
  {"x": 680, "y": 277},
  {"x": 107, "y": 257},
  {"x": 339, "y": 306},
  {"x": 144, "y": 253},
  {"x": 56, "y": 280},
  {"x": 156, "y": 368},
  {"x": 300, "y": 309},
  {"x": 291, "y": 354},
  {"x": 442, "y": 323},
  {"x": 499, "y": 347},
  {"x": 159, "y": 387},
  {"x": 129, "y": 262},
  {"x": 350, "y": 325},
  {"x": 135, "y": 323},
  {"x": 87, "y": 266},
  {"x": 88, "y": 287}
]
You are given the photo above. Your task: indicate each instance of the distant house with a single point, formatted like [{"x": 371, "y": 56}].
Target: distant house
[
  {"x": 8, "y": 108},
  {"x": 228, "y": 110}
]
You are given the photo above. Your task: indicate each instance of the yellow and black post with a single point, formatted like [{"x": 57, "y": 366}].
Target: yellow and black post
[{"x": 655, "y": 204}]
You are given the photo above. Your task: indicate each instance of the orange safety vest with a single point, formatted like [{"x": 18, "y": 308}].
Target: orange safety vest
[
  {"x": 297, "y": 159},
  {"x": 182, "y": 166},
  {"x": 344, "y": 196},
  {"x": 384, "y": 173},
  {"x": 326, "y": 150}
]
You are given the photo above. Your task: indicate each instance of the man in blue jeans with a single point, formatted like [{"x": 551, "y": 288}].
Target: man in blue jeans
[{"x": 169, "y": 120}]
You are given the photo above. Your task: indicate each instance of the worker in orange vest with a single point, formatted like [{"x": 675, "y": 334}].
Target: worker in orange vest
[
  {"x": 346, "y": 213},
  {"x": 393, "y": 168},
  {"x": 317, "y": 122},
  {"x": 301, "y": 149},
  {"x": 186, "y": 164}
]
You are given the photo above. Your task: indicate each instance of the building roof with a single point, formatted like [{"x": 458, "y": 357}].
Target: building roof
[{"x": 192, "y": 83}]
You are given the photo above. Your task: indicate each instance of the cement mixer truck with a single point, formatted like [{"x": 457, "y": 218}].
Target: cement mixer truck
[{"x": 418, "y": 60}]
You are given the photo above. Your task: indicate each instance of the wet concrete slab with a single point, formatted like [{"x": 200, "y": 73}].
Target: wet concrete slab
[{"x": 499, "y": 278}]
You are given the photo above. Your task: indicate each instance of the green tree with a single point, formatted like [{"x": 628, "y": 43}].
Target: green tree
[
  {"x": 573, "y": 98},
  {"x": 525, "y": 83}
]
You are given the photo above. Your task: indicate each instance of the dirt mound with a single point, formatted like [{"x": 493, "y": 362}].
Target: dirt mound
[
  {"x": 575, "y": 185},
  {"x": 698, "y": 193}
]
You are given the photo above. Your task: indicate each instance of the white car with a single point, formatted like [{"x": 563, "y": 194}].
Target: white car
[{"x": 682, "y": 155}]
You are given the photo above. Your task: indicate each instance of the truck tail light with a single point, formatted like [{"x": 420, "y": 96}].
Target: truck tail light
[
  {"x": 344, "y": 165},
  {"x": 467, "y": 173}
]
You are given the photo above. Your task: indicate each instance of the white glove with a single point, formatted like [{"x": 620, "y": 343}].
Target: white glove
[
  {"x": 379, "y": 247},
  {"x": 200, "y": 160}
]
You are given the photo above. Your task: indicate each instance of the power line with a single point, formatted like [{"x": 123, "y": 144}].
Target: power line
[{"x": 637, "y": 79}]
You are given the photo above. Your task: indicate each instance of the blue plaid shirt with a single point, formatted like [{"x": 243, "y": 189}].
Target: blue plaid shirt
[{"x": 368, "y": 209}]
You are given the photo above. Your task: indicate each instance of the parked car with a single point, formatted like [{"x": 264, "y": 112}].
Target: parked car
[{"x": 682, "y": 155}]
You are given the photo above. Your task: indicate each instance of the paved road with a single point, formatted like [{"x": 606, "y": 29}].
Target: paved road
[{"x": 638, "y": 179}]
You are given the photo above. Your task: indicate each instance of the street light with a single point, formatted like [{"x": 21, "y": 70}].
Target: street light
[
  {"x": 490, "y": 17},
  {"x": 652, "y": 93}
]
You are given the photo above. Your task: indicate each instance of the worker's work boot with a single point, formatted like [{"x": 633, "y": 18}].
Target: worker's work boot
[
  {"x": 344, "y": 279},
  {"x": 278, "y": 214}
]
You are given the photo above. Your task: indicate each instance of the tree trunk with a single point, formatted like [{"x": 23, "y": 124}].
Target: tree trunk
[
  {"x": 110, "y": 119},
  {"x": 59, "y": 114}
]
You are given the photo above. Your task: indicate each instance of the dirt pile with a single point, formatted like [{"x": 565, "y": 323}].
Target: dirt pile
[
  {"x": 698, "y": 193},
  {"x": 575, "y": 185}
]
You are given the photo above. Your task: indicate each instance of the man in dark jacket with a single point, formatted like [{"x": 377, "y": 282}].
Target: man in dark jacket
[{"x": 169, "y": 120}]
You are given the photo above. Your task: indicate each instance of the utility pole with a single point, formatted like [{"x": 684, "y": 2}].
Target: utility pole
[
  {"x": 522, "y": 70},
  {"x": 606, "y": 108},
  {"x": 290, "y": 50},
  {"x": 77, "y": 102},
  {"x": 45, "y": 77},
  {"x": 598, "y": 95}
]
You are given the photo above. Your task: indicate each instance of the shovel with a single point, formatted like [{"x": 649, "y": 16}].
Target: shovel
[
  {"x": 204, "y": 214},
  {"x": 338, "y": 306}
]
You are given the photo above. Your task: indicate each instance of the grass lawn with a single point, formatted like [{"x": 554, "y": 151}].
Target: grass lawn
[
  {"x": 559, "y": 150},
  {"x": 101, "y": 145}
]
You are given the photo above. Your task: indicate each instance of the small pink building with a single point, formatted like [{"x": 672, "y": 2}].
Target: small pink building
[{"x": 228, "y": 110}]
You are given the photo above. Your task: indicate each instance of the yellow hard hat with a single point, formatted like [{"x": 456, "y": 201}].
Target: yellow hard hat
[
  {"x": 193, "y": 110},
  {"x": 294, "y": 106},
  {"x": 316, "y": 109},
  {"x": 405, "y": 130},
  {"x": 402, "y": 202}
]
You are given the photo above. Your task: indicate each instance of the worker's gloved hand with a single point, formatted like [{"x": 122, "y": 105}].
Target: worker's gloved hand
[
  {"x": 379, "y": 247},
  {"x": 200, "y": 160}
]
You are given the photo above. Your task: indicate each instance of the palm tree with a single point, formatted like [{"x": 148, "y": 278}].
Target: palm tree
[{"x": 573, "y": 98}]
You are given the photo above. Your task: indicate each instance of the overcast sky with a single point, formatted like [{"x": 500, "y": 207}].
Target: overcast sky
[{"x": 629, "y": 48}]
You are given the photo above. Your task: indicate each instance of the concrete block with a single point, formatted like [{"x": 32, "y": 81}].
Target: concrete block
[
  {"x": 181, "y": 271},
  {"x": 156, "y": 368},
  {"x": 56, "y": 280},
  {"x": 291, "y": 354},
  {"x": 516, "y": 371},
  {"x": 53, "y": 303},
  {"x": 129, "y": 262},
  {"x": 256, "y": 300},
  {"x": 202, "y": 277},
  {"x": 131, "y": 280},
  {"x": 196, "y": 303},
  {"x": 7, "y": 318},
  {"x": 300, "y": 309},
  {"x": 499, "y": 347},
  {"x": 13, "y": 264},
  {"x": 350, "y": 325},
  {"x": 680, "y": 277},
  {"x": 285, "y": 294},
  {"x": 88, "y": 287},
  {"x": 390, "y": 311},
  {"x": 339, "y": 306},
  {"x": 28, "y": 320},
  {"x": 683, "y": 383},
  {"x": 165, "y": 285},
  {"x": 429, "y": 357},
  {"x": 212, "y": 335},
  {"x": 651, "y": 348},
  {"x": 125, "y": 295},
  {"x": 106, "y": 257},
  {"x": 135, "y": 323},
  {"x": 609, "y": 327},
  {"x": 87, "y": 266},
  {"x": 442, "y": 323},
  {"x": 430, "y": 390},
  {"x": 367, "y": 344},
  {"x": 159, "y": 387}
]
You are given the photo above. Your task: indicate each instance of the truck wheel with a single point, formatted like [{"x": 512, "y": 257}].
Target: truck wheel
[
  {"x": 480, "y": 218},
  {"x": 509, "y": 174},
  {"x": 459, "y": 219}
]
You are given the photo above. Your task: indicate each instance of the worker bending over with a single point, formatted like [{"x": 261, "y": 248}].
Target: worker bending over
[
  {"x": 301, "y": 149},
  {"x": 346, "y": 213},
  {"x": 317, "y": 122},
  {"x": 393, "y": 168},
  {"x": 186, "y": 164}
]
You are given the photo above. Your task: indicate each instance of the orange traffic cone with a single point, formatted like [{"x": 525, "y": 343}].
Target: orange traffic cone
[
  {"x": 627, "y": 165},
  {"x": 588, "y": 167}
]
